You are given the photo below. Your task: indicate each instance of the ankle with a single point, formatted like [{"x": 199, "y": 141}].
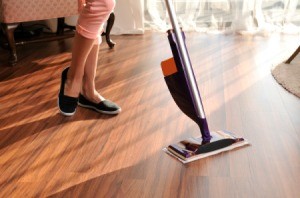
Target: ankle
[
  {"x": 90, "y": 96},
  {"x": 87, "y": 92},
  {"x": 72, "y": 88}
]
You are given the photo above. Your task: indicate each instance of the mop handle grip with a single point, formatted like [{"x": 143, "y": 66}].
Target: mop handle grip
[{"x": 186, "y": 61}]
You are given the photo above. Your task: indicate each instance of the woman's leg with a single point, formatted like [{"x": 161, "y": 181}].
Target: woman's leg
[
  {"x": 89, "y": 27},
  {"x": 82, "y": 47},
  {"x": 88, "y": 83},
  {"x": 71, "y": 78},
  {"x": 90, "y": 98}
]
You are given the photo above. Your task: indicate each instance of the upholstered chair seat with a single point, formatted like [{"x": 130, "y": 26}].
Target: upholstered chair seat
[{"x": 13, "y": 11}]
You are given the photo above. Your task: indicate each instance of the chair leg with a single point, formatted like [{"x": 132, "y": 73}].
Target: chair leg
[
  {"x": 110, "y": 23},
  {"x": 293, "y": 56},
  {"x": 60, "y": 26},
  {"x": 9, "y": 30}
]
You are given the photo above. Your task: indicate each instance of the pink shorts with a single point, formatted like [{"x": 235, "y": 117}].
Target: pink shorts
[{"x": 92, "y": 18}]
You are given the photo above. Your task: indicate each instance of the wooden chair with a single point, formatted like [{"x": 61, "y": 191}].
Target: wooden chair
[{"x": 14, "y": 12}]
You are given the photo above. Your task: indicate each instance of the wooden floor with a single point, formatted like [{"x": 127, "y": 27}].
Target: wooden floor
[{"x": 90, "y": 155}]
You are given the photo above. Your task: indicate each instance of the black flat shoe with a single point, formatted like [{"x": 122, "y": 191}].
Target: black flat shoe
[
  {"x": 105, "y": 106},
  {"x": 66, "y": 104}
]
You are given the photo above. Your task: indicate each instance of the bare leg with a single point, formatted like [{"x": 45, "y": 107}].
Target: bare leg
[
  {"x": 88, "y": 83},
  {"x": 81, "y": 49},
  {"x": 81, "y": 74},
  {"x": 91, "y": 98}
]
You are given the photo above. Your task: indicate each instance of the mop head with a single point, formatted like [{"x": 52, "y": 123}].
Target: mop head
[{"x": 192, "y": 149}]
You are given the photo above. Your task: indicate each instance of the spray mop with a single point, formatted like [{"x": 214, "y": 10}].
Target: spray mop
[{"x": 180, "y": 79}]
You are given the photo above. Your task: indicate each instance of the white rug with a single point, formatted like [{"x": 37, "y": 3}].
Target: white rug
[{"x": 288, "y": 75}]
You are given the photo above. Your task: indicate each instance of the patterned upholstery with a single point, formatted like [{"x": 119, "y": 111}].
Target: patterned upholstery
[{"x": 12, "y": 11}]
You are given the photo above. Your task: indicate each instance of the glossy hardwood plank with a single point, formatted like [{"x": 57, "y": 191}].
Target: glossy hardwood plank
[{"x": 92, "y": 155}]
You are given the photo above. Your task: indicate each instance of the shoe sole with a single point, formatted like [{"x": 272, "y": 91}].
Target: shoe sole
[
  {"x": 99, "y": 111},
  {"x": 64, "y": 113}
]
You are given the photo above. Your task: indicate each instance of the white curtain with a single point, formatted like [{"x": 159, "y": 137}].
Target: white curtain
[
  {"x": 129, "y": 17},
  {"x": 243, "y": 16}
]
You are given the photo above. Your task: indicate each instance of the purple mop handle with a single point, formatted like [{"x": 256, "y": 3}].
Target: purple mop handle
[{"x": 188, "y": 70}]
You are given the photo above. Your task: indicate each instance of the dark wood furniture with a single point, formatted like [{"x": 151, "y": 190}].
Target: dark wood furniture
[
  {"x": 10, "y": 43},
  {"x": 293, "y": 56}
]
